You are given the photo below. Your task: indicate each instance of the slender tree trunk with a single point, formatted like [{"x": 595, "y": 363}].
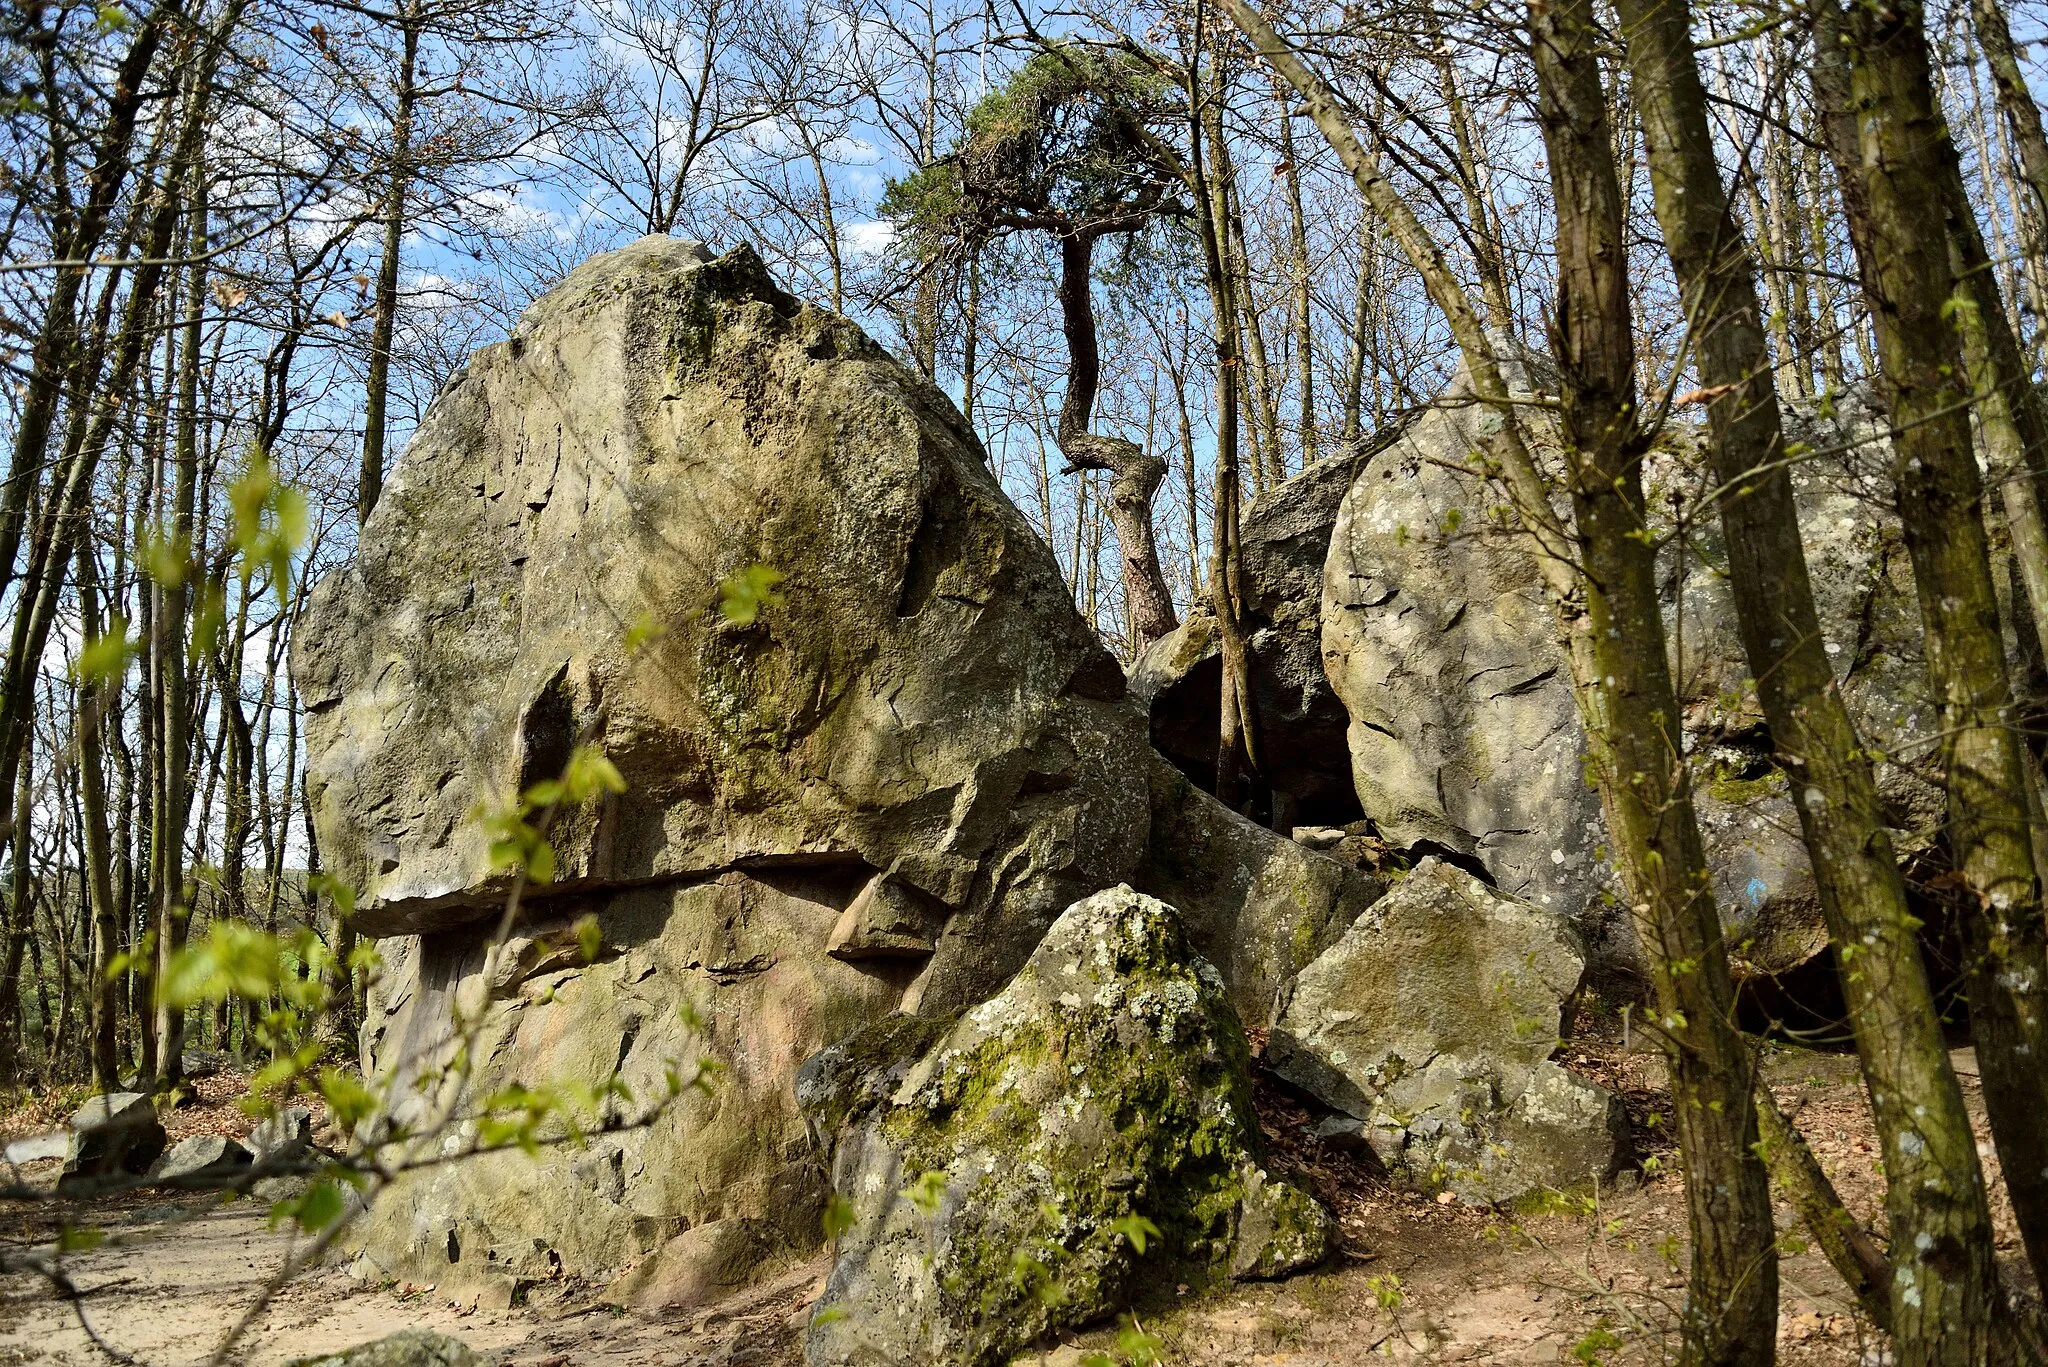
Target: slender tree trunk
[
  {"x": 1935, "y": 1200},
  {"x": 1875, "y": 78},
  {"x": 174, "y": 655},
  {"x": 1210, "y": 171},
  {"x": 2022, "y": 118},
  {"x": 1853, "y": 1254},
  {"x": 1612, "y": 628},
  {"x": 1304, "y": 317},
  {"x": 20, "y": 924},
  {"x": 376, "y": 389},
  {"x": 1631, "y": 707},
  {"x": 94, "y": 705}
]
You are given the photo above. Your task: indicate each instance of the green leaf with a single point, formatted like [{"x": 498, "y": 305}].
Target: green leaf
[
  {"x": 927, "y": 1192},
  {"x": 839, "y": 1216},
  {"x": 589, "y": 937},
  {"x": 1137, "y": 1229},
  {"x": 320, "y": 1206},
  {"x": 105, "y": 656},
  {"x": 743, "y": 593},
  {"x": 80, "y": 1239}
]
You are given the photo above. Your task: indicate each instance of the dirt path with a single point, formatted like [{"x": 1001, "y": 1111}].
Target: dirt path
[{"x": 1416, "y": 1280}]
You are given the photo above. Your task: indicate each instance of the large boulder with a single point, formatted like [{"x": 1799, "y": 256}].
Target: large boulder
[
  {"x": 1001, "y": 1189},
  {"x": 544, "y": 568},
  {"x": 1464, "y": 739},
  {"x": 112, "y": 1137},
  {"x": 202, "y": 1160},
  {"x": 1433, "y": 1020},
  {"x": 867, "y": 785}
]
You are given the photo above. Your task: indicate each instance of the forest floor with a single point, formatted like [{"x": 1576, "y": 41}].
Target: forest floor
[{"x": 1594, "y": 1280}]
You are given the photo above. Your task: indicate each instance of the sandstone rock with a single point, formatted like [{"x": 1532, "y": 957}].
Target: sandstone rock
[
  {"x": 284, "y": 1136},
  {"x": 1463, "y": 737},
  {"x": 1432, "y": 1021},
  {"x": 200, "y": 1159},
  {"x": 113, "y": 1135},
  {"x": 1109, "y": 1080},
  {"x": 923, "y": 698},
  {"x": 1257, "y": 906},
  {"x": 406, "y": 1348},
  {"x": 698, "y": 1267},
  {"x": 868, "y": 791}
]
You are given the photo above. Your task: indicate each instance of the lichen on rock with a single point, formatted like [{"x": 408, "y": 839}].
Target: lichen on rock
[
  {"x": 1092, "y": 1118},
  {"x": 1433, "y": 1021}
]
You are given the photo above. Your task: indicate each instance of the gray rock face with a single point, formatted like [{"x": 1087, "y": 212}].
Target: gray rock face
[
  {"x": 1463, "y": 736},
  {"x": 1432, "y": 1021},
  {"x": 870, "y": 794},
  {"x": 200, "y": 1159},
  {"x": 922, "y": 700},
  {"x": 113, "y": 1135},
  {"x": 406, "y": 1348},
  {"x": 283, "y": 1136},
  {"x": 1258, "y": 906},
  {"x": 1108, "y": 1081}
]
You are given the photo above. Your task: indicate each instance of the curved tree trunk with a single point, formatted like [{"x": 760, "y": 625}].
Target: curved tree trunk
[{"x": 1135, "y": 474}]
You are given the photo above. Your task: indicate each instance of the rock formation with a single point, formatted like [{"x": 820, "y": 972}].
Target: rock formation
[
  {"x": 111, "y": 1137},
  {"x": 1433, "y": 1021},
  {"x": 1463, "y": 736},
  {"x": 867, "y": 789},
  {"x": 1106, "y": 1085}
]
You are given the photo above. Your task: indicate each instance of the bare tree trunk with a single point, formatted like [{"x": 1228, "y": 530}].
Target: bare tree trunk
[
  {"x": 1936, "y": 1196},
  {"x": 377, "y": 388},
  {"x": 1135, "y": 473},
  {"x": 1874, "y": 78},
  {"x": 94, "y": 703},
  {"x": 1304, "y": 319},
  {"x": 1611, "y": 625}
]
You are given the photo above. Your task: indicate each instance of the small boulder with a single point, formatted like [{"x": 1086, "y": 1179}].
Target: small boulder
[
  {"x": 200, "y": 1161},
  {"x": 406, "y": 1348},
  {"x": 112, "y": 1135},
  {"x": 282, "y": 1137},
  {"x": 1103, "y": 1095},
  {"x": 1433, "y": 1020},
  {"x": 700, "y": 1266}
]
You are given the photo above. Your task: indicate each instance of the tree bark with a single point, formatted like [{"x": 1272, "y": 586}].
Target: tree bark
[
  {"x": 1135, "y": 473},
  {"x": 376, "y": 390},
  {"x": 1937, "y": 1191},
  {"x": 1874, "y": 80},
  {"x": 1634, "y": 724}
]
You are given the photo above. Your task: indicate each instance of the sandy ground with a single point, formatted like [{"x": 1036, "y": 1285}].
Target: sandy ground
[{"x": 1596, "y": 1280}]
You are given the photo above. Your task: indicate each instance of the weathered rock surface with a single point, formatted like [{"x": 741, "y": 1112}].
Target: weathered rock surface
[
  {"x": 545, "y": 566},
  {"x": 199, "y": 1159},
  {"x": 1108, "y": 1081},
  {"x": 406, "y": 1348},
  {"x": 872, "y": 794},
  {"x": 1432, "y": 1021},
  {"x": 1306, "y": 778},
  {"x": 1258, "y": 906},
  {"x": 1463, "y": 736},
  {"x": 283, "y": 1136},
  {"x": 112, "y": 1135}
]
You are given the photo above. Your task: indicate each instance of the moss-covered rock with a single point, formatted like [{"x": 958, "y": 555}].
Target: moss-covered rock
[
  {"x": 1433, "y": 1021},
  {"x": 1092, "y": 1119},
  {"x": 406, "y": 1348}
]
